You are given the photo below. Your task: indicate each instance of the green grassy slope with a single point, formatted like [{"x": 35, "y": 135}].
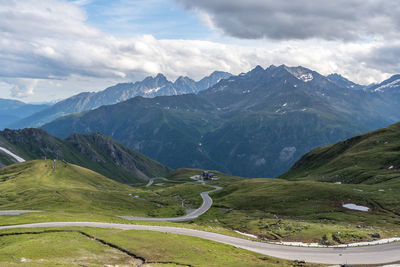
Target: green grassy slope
[
  {"x": 35, "y": 185},
  {"x": 67, "y": 249},
  {"x": 362, "y": 170},
  {"x": 306, "y": 210},
  {"x": 70, "y": 189},
  {"x": 369, "y": 158},
  {"x": 80, "y": 247}
]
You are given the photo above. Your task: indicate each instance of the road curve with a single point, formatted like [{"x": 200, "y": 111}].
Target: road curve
[
  {"x": 379, "y": 254},
  {"x": 151, "y": 181},
  {"x": 207, "y": 203}
]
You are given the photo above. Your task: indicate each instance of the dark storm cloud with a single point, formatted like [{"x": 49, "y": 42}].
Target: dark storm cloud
[
  {"x": 302, "y": 19},
  {"x": 385, "y": 58}
]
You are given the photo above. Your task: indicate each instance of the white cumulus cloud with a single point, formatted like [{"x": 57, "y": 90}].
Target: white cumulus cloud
[
  {"x": 22, "y": 88},
  {"x": 51, "y": 39}
]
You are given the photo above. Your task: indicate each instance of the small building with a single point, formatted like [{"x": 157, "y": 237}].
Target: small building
[{"x": 208, "y": 176}]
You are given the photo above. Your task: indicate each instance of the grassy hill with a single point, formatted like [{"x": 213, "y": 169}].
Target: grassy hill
[
  {"x": 370, "y": 158},
  {"x": 308, "y": 211},
  {"x": 85, "y": 195},
  {"x": 36, "y": 185},
  {"x": 110, "y": 247},
  {"x": 96, "y": 152},
  {"x": 72, "y": 192},
  {"x": 363, "y": 170},
  {"x": 307, "y": 202}
]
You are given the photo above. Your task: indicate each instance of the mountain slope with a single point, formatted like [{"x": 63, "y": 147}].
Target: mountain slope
[
  {"x": 369, "y": 158},
  {"x": 276, "y": 115},
  {"x": 96, "y": 152},
  {"x": 389, "y": 92},
  {"x": 13, "y": 110},
  {"x": 36, "y": 185},
  {"x": 279, "y": 117},
  {"x": 256, "y": 124},
  {"x": 168, "y": 128},
  {"x": 109, "y": 153},
  {"x": 149, "y": 87},
  {"x": 344, "y": 82}
]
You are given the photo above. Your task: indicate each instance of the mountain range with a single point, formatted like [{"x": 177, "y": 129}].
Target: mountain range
[
  {"x": 149, "y": 87},
  {"x": 255, "y": 124},
  {"x": 95, "y": 151},
  {"x": 13, "y": 110}
]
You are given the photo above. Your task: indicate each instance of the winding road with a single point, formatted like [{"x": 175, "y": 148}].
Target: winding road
[
  {"x": 207, "y": 203},
  {"x": 379, "y": 254},
  {"x": 151, "y": 181}
]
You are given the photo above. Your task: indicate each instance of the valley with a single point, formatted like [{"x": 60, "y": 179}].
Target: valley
[
  {"x": 90, "y": 185},
  {"x": 256, "y": 124},
  {"x": 227, "y": 133},
  {"x": 275, "y": 211}
]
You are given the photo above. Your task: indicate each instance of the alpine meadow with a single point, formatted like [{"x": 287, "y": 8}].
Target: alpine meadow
[{"x": 199, "y": 133}]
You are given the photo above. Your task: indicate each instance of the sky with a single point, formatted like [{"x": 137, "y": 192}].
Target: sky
[{"x": 53, "y": 49}]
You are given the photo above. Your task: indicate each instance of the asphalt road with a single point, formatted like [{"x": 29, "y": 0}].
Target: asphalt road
[
  {"x": 207, "y": 203},
  {"x": 379, "y": 254},
  {"x": 16, "y": 212},
  {"x": 151, "y": 181}
]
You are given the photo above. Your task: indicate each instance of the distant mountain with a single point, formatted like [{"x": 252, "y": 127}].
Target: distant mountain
[
  {"x": 388, "y": 92},
  {"x": 96, "y": 152},
  {"x": 256, "y": 124},
  {"x": 168, "y": 128},
  {"x": 149, "y": 87},
  {"x": 13, "y": 110},
  {"x": 274, "y": 116},
  {"x": 344, "y": 82},
  {"x": 369, "y": 158},
  {"x": 391, "y": 85}
]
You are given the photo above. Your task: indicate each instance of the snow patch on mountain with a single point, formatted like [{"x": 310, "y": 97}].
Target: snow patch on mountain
[
  {"x": 395, "y": 83},
  {"x": 352, "y": 206},
  {"x": 308, "y": 77},
  {"x": 16, "y": 157},
  {"x": 152, "y": 90},
  {"x": 301, "y": 73}
]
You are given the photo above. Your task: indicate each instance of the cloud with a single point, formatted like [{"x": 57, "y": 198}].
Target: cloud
[
  {"x": 51, "y": 39},
  {"x": 22, "y": 88},
  {"x": 385, "y": 57},
  {"x": 302, "y": 19}
]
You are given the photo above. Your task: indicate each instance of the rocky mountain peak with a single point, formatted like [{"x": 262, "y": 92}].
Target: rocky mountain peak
[{"x": 161, "y": 77}]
